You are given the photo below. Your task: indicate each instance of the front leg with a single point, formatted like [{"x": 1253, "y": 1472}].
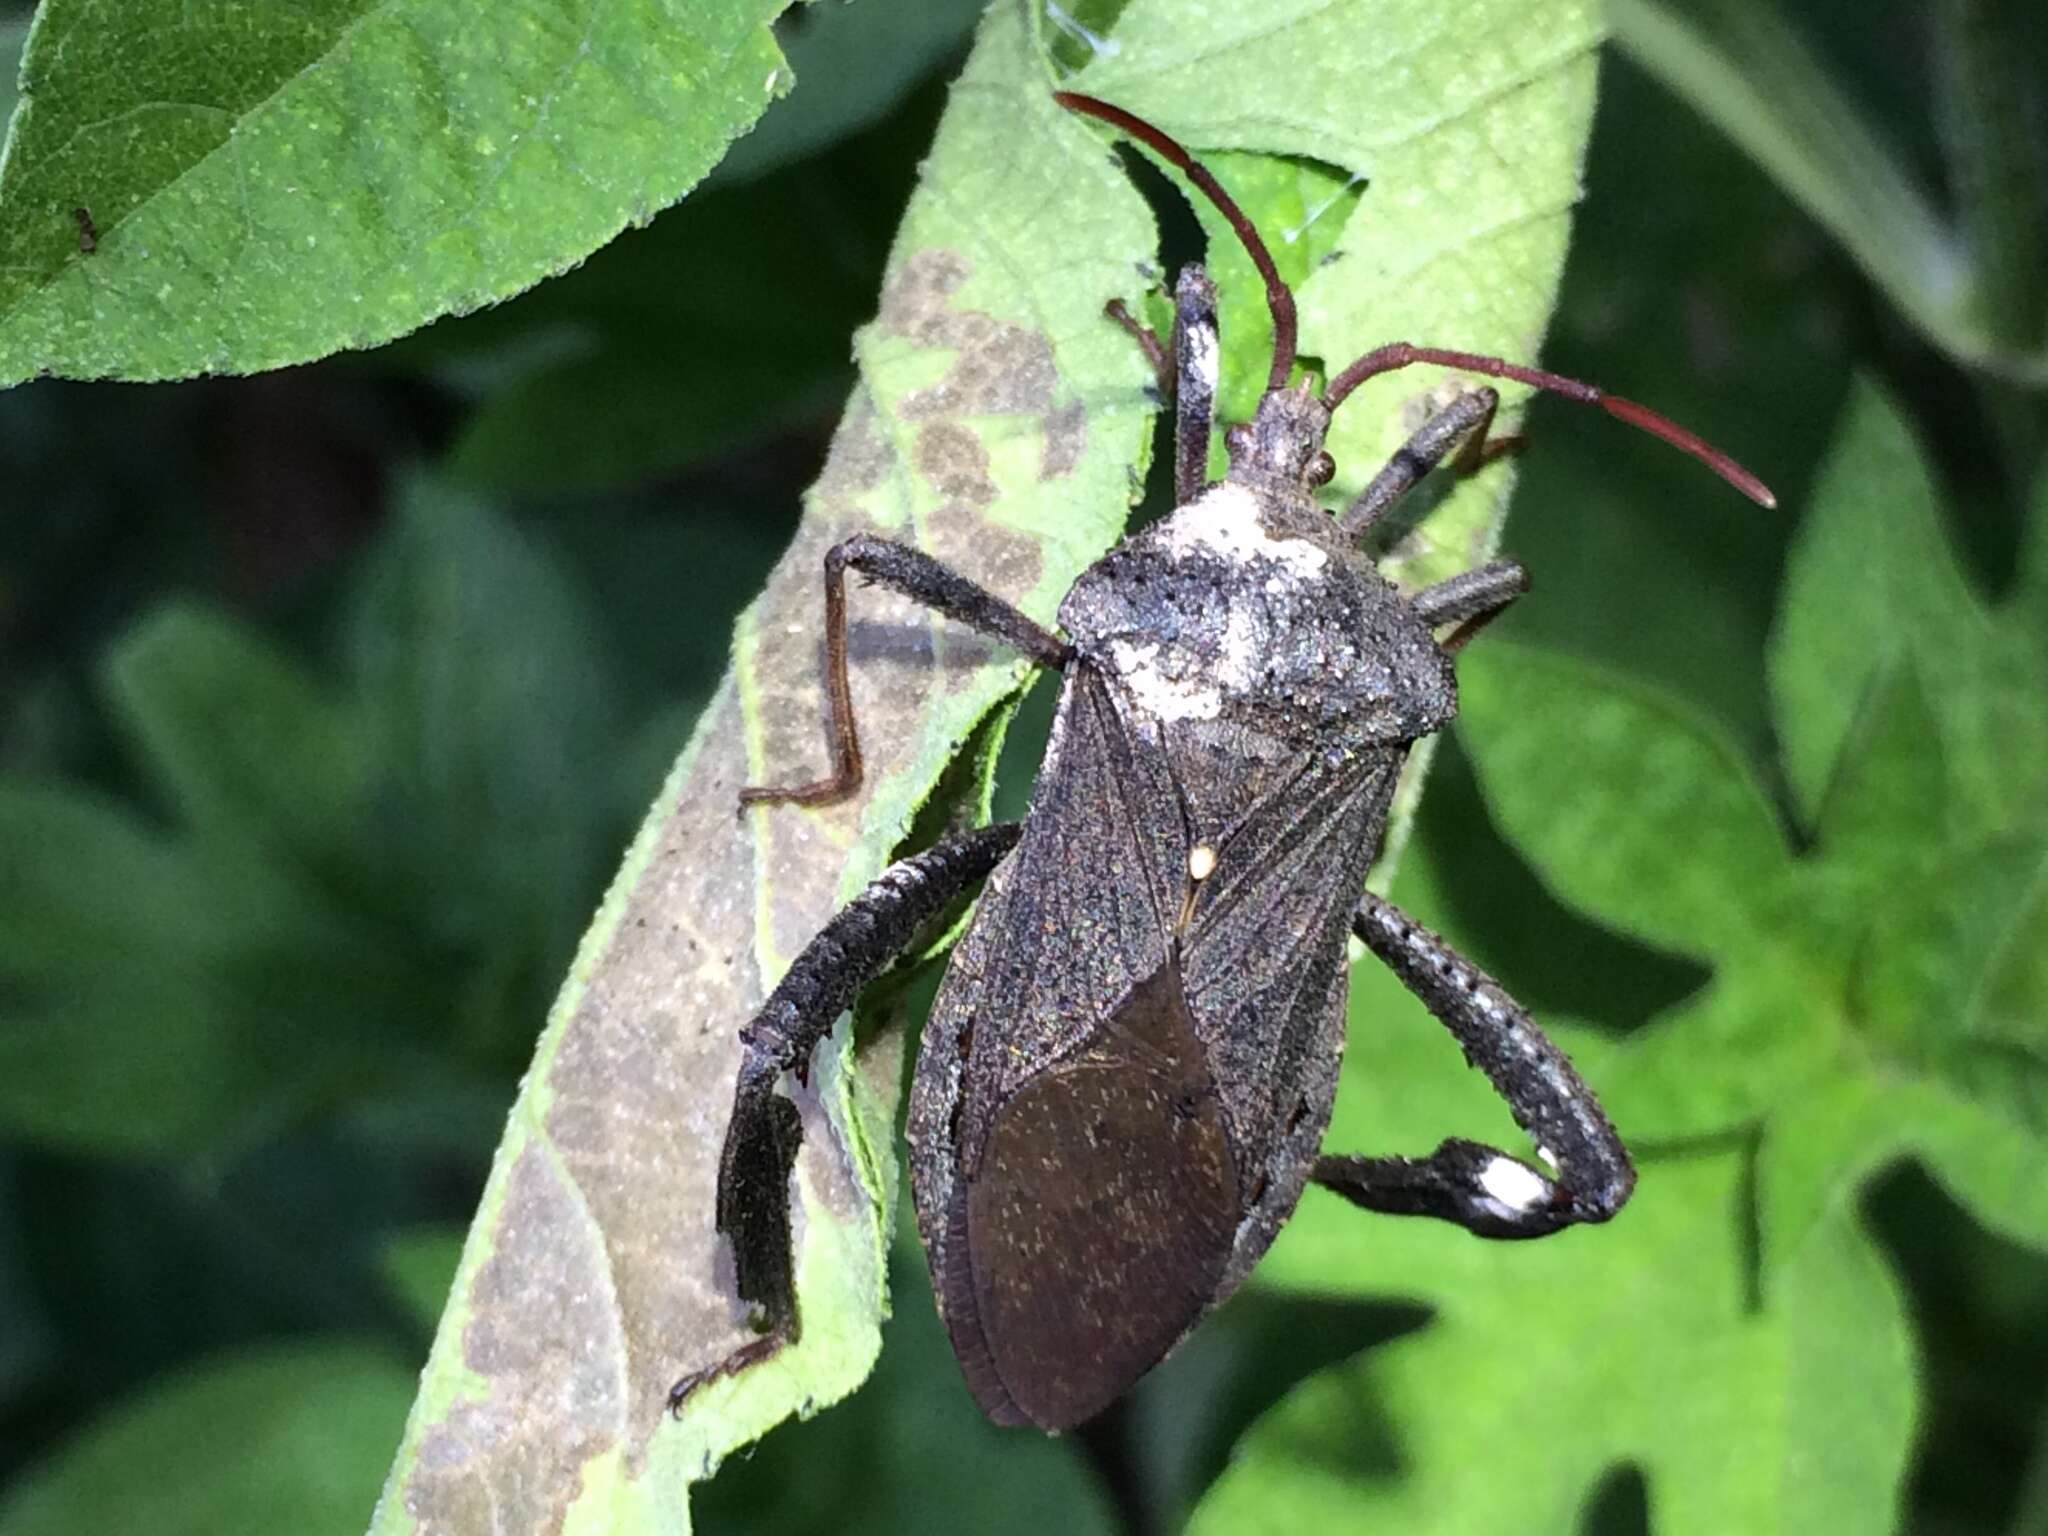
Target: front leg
[
  {"x": 1478, "y": 1187},
  {"x": 916, "y": 575},
  {"x": 763, "y": 1136},
  {"x": 1189, "y": 376}
]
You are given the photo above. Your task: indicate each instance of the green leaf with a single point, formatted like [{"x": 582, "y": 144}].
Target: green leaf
[
  {"x": 123, "y": 957},
  {"x": 1650, "y": 821},
  {"x": 1550, "y": 1364},
  {"x": 241, "y": 742},
  {"x": 274, "y": 185},
  {"x": 463, "y": 630},
  {"x": 1954, "y": 943},
  {"x": 1869, "y": 572},
  {"x": 1873, "y": 578},
  {"x": 289, "y": 1437},
  {"x": 1471, "y": 159},
  {"x": 1888, "y": 809}
]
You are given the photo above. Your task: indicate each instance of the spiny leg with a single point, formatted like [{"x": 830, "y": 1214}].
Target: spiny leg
[
  {"x": 763, "y": 1136},
  {"x": 1478, "y": 1187},
  {"x": 1462, "y": 425},
  {"x": 916, "y": 575},
  {"x": 1189, "y": 378}
]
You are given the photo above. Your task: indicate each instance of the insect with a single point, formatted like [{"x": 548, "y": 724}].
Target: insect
[
  {"x": 1126, "y": 1076},
  {"x": 88, "y": 232}
]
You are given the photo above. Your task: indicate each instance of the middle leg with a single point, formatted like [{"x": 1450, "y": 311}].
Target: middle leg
[{"x": 916, "y": 575}]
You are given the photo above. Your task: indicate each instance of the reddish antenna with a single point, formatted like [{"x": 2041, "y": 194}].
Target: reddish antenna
[
  {"x": 1401, "y": 354},
  {"x": 1279, "y": 298}
]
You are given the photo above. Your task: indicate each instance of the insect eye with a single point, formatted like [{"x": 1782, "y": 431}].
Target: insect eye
[
  {"x": 1322, "y": 469},
  {"x": 1238, "y": 440}
]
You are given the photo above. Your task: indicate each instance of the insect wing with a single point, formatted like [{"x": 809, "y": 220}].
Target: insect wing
[
  {"x": 1101, "y": 1223},
  {"x": 1080, "y": 1175}
]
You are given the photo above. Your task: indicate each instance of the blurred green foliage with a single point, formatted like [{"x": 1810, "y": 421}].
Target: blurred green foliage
[{"x": 328, "y": 697}]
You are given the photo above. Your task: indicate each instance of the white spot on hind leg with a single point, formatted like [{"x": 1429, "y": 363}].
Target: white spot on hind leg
[{"x": 1513, "y": 1185}]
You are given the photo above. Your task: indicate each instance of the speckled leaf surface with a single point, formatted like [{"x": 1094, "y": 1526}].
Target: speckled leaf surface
[
  {"x": 1001, "y": 424},
  {"x": 274, "y": 183}
]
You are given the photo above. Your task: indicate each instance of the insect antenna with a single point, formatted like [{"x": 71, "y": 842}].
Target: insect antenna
[
  {"x": 1279, "y": 298},
  {"x": 1401, "y": 354}
]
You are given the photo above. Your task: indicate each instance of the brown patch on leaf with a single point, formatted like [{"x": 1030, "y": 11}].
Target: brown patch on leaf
[
  {"x": 999, "y": 369},
  {"x": 1066, "y": 438},
  {"x": 953, "y": 460},
  {"x": 917, "y": 296}
]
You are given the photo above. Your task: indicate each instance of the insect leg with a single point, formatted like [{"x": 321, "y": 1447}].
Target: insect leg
[
  {"x": 1471, "y": 599},
  {"x": 1460, "y": 425},
  {"x": 1195, "y": 363},
  {"x": 916, "y": 575},
  {"x": 1481, "y": 1189},
  {"x": 1149, "y": 344},
  {"x": 762, "y": 1139},
  {"x": 1188, "y": 377}
]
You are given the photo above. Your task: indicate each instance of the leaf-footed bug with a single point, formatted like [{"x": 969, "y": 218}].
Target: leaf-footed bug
[{"x": 1126, "y": 1076}]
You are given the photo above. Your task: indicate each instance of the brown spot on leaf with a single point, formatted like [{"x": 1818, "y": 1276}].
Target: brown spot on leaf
[
  {"x": 916, "y": 295},
  {"x": 998, "y": 368},
  {"x": 953, "y": 459},
  {"x": 1066, "y": 438}
]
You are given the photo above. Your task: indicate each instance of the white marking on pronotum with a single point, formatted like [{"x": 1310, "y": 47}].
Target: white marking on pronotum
[
  {"x": 1238, "y": 662},
  {"x": 1102, "y": 47},
  {"x": 1159, "y": 695},
  {"x": 1514, "y": 1186},
  {"x": 1201, "y": 862},
  {"x": 1549, "y": 1157},
  {"x": 1225, "y": 520}
]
